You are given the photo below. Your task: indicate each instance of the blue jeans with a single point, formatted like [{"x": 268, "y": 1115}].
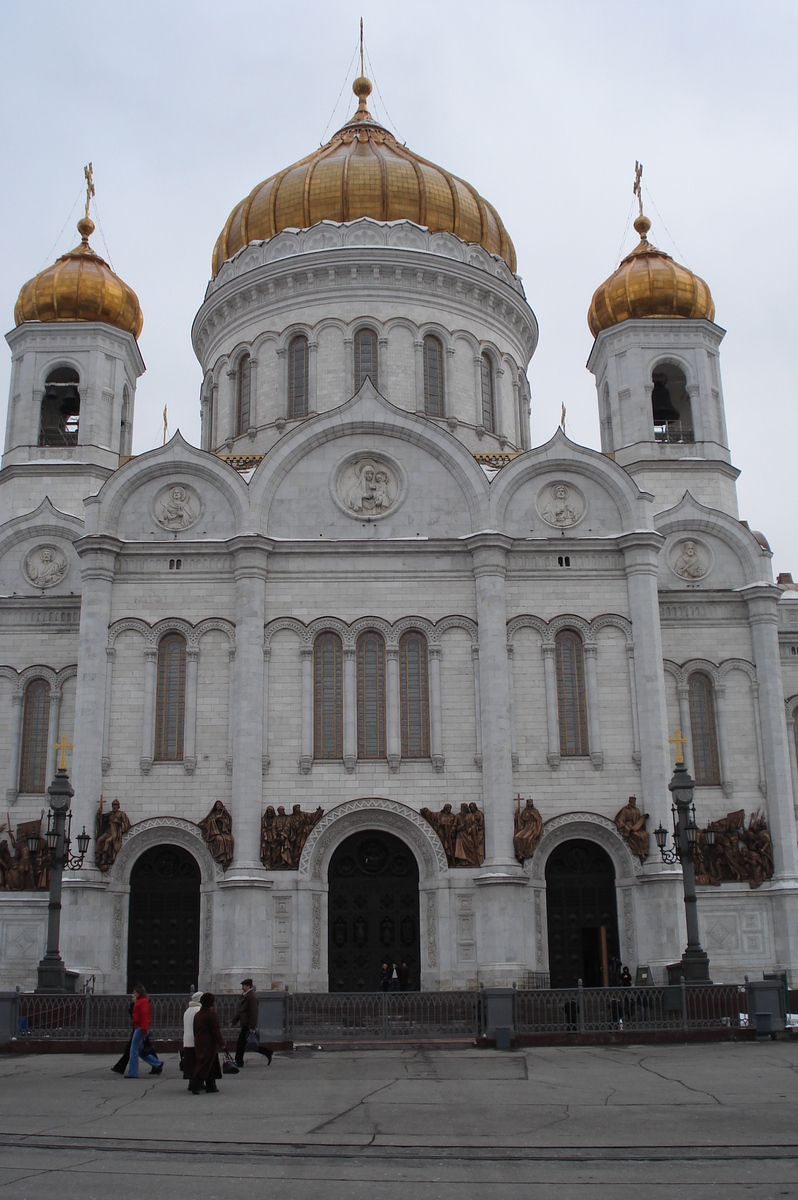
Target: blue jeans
[{"x": 135, "y": 1051}]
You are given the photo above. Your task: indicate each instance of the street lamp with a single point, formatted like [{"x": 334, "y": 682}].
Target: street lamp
[
  {"x": 53, "y": 976},
  {"x": 694, "y": 963}
]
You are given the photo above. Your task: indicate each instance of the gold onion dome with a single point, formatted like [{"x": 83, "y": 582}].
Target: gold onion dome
[
  {"x": 80, "y": 286},
  {"x": 363, "y": 172},
  {"x": 648, "y": 283}
]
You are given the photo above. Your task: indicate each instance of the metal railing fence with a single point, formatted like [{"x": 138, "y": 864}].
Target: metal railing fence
[
  {"x": 632, "y": 1009},
  {"x": 105, "y": 1018},
  {"x": 382, "y": 1016}
]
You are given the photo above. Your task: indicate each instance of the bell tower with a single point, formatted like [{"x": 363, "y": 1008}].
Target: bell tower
[{"x": 657, "y": 369}]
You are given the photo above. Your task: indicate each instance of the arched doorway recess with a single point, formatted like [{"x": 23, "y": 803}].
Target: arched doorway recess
[
  {"x": 164, "y": 920},
  {"x": 373, "y": 911},
  {"x": 582, "y": 915}
]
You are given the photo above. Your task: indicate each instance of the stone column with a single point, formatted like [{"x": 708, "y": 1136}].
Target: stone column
[
  {"x": 548, "y": 650},
  {"x": 350, "y": 708},
  {"x": 190, "y": 716},
  {"x": 253, "y": 393},
  {"x": 392, "y": 706},
  {"x": 630, "y": 659},
  {"x": 232, "y": 413},
  {"x": 760, "y": 754},
  {"x": 306, "y": 759},
  {"x": 12, "y": 791},
  {"x": 313, "y": 377},
  {"x": 683, "y": 692},
  {"x": 250, "y": 555},
  {"x": 477, "y": 706},
  {"x": 641, "y": 552},
  {"x": 762, "y": 617},
  {"x": 148, "y": 719},
  {"x": 349, "y": 367},
  {"x": 489, "y": 552},
  {"x": 435, "y": 720},
  {"x": 511, "y": 687},
  {"x": 267, "y": 654},
  {"x": 98, "y": 553},
  {"x": 110, "y": 655},
  {"x": 421, "y": 406},
  {"x": 723, "y": 748},
  {"x": 593, "y": 722},
  {"x": 231, "y": 704},
  {"x": 52, "y": 734},
  {"x": 478, "y": 392}
]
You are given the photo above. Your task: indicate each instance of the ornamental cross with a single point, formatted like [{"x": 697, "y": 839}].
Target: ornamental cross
[
  {"x": 63, "y": 745},
  {"x": 89, "y": 173},
  {"x": 638, "y": 188},
  {"x": 678, "y": 741}
]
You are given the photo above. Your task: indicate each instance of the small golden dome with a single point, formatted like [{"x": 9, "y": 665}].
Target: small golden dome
[
  {"x": 80, "y": 286},
  {"x": 363, "y": 172},
  {"x": 648, "y": 283}
]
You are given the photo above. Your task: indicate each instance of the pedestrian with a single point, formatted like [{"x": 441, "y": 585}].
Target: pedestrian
[
  {"x": 189, "y": 1057},
  {"x": 246, "y": 1017},
  {"x": 142, "y": 1019},
  {"x": 208, "y": 1041},
  {"x": 385, "y": 980},
  {"x": 404, "y": 977},
  {"x": 394, "y": 978}
]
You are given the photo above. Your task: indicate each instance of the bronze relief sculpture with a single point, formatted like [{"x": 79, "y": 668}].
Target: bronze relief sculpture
[
  {"x": 462, "y": 834},
  {"x": 23, "y": 871},
  {"x": 217, "y": 830},
  {"x": 740, "y": 854},
  {"x": 283, "y": 836},
  {"x": 528, "y": 829},
  {"x": 631, "y": 825},
  {"x": 109, "y": 829}
]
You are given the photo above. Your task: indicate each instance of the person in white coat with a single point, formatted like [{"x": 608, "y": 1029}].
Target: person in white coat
[{"x": 187, "y": 1064}]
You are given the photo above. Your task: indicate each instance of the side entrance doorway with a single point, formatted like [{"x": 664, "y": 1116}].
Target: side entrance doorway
[
  {"x": 582, "y": 915},
  {"x": 163, "y": 932},
  {"x": 373, "y": 912}
]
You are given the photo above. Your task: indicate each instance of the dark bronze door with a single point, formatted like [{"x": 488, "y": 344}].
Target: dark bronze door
[
  {"x": 373, "y": 912},
  {"x": 163, "y": 935},
  {"x": 580, "y": 900}
]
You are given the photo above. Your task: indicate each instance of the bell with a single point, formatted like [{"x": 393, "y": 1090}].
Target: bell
[
  {"x": 662, "y": 407},
  {"x": 70, "y": 403}
]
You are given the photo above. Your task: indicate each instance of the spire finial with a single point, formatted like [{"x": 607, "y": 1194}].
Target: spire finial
[
  {"x": 362, "y": 68},
  {"x": 85, "y": 224},
  {"x": 642, "y": 223},
  {"x": 362, "y": 86}
]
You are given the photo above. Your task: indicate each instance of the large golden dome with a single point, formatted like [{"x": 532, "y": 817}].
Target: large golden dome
[
  {"x": 363, "y": 172},
  {"x": 80, "y": 286},
  {"x": 648, "y": 283}
]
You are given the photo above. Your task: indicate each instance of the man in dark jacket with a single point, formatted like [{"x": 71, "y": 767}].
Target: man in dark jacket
[{"x": 246, "y": 1016}]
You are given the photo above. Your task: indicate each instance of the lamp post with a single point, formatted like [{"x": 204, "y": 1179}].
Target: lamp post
[
  {"x": 694, "y": 963},
  {"x": 53, "y": 976}
]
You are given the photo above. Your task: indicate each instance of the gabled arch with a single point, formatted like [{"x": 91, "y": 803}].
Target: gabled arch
[
  {"x": 593, "y": 828},
  {"x": 690, "y": 516},
  {"x": 45, "y": 521}
]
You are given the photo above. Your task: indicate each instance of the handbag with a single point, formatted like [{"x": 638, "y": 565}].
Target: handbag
[
  {"x": 228, "y": 1066},
  {"x": 253, "y": 1039}
]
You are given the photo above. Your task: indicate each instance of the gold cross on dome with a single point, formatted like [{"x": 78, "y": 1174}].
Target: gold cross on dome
[
  {"x": 678, "y": 741},
  {"x": 638, "y": 186},
  {"x": 89, "y": 173},
  {"x": 63, "y": 745}
]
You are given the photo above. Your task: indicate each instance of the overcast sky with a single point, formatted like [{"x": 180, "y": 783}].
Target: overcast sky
[{"x": 543, "y": 105}]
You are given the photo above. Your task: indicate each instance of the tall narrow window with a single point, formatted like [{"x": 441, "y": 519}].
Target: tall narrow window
[
  {"x": 488, "y": 403},
  {"x": 328, "y": 721},
  {"x": 60, "y": 411},
  {"x": 433, "y": 377},
  {"x": 170, "y": 707},
  {"x": 370, "y": 696},
  {"x": 243, "y": 394},
  {"x": 125, "y": 424},
  {"x": 298, "y": 377},
  {"x": 414, "y": 691},
  {"x": 706, "y": 763},
  {"x": 365, "y": 358},
  {"x": 572, "y": 708},
  {"x": 35, "y": 724}
]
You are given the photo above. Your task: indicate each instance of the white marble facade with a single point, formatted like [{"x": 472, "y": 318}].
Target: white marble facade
[{"x": 367, "y": 513}]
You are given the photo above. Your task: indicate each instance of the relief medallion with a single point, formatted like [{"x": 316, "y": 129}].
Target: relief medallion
[{"x": 45, "y": 566}]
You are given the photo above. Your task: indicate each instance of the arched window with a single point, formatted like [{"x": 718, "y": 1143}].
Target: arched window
[
  {"x": 488, "y": 403},
  {"x": 35, "y": 726},
  {"x": 243, "y": 393},
  {"x": 670, "y": 405},
  {"x": 298, "y": 376},
  {"x": 433, "y": 377},
  {"x": 703, "y": 726},
  {"x": 328, "y": 704},
  {"x": 571, "y": 704},
  {"x": 170, "y": 705},
  {"x": 60, "y": 412},
  {"x": 414, "y": 691},
  {"x": 366, "y": 358},
  {"x": 370, "y": 695}
]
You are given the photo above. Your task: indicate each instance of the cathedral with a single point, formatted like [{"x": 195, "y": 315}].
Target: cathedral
[{"x": 366, "y": 678}]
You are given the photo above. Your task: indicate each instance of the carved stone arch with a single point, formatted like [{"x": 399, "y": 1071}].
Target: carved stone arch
[
  {"x": 378, "y": 624},
  {"x": 66, "y": 673},
  {"x": 173, "y": 625},
  {"x": 281, "y": 624},
  {"x": 791, "y": 707},
  {"x": 613, "y": 620},
  {"x": 37, "y": 672},
  {"x": 402, "y": 323},
  {"x": 267, "y": 338},
  {"x": 62, "y": 360},
  {"x": 591, "y": 827},
  {"x": 419, "y": 624},
  {"x": 670, "y": 358},
  {"x": 11, "y": 674},
  {"x": 701, "y": 664},
  {"x": 331, "y": 625},
  {"x": 570, "y": 621},
  {"x": 219, "y": 368},
  {"x": 326, "y": 323},
  {"x": 127, "y": 625},
  {"x": 158, "y": 831},
  {"x": 368, "y": 322},
  {"x": 674, "y": 670},
  {"x": 295, "y": 329},
  {"x": 737, "y": 664},
  {"x": 527, "y": 621},
  {"x": 456, "y": 621},
  {"x": 434, "y": 329},
  {"x": 463, "y": 335},
  {"x": 218, "y": 624},
  {"x": 378, "y": 813},
  {"x": 236, "y": 355}
]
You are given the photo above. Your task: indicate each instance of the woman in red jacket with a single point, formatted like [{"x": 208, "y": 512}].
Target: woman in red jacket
[{"x": 141, "y": 1027}]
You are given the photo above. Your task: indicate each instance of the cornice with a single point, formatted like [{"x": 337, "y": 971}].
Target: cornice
[
  {"x": 80, "y": 335},
  {"x": 653, "y": 334}
]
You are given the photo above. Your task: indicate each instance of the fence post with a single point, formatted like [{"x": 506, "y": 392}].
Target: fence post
[
  {"x": 685, "y": 1020},
  {"x": 581, "y": 1006},
  {"x": 87, "y": 999},
  {"x": 384, "y": 1015}
]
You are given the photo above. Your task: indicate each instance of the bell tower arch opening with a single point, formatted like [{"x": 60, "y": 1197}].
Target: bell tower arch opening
[
  {"x": 582, "y": 915},
  {"x": 670, "y": 405},
  {"x": 60, "y": 414}
]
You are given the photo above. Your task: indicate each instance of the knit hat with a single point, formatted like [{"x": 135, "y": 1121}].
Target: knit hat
[{"x": 195, "y": 999}]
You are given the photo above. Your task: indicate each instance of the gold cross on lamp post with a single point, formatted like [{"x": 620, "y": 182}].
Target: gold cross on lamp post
[
  {"x": 63, "y": 745},
  {"x": 678, "y": 741}
]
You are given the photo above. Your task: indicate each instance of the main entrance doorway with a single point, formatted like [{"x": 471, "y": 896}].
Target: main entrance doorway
[
  {"x": 163, "y": 933},
  {"x": 373, "y": 912},
  {"x": 582, "y": 915}
]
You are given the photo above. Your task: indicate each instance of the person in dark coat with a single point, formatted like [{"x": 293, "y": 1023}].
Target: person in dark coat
[
  {"x": 208, "y": 1041},
  {"x": 246, "y": 1016}
]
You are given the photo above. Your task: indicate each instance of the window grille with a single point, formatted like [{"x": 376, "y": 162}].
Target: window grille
[
  {"x": 414, "y": 690},
  {"x": 243, "y": 394},
  {"x": 370, "y": 696},
  {"x": 35, "y": 727},
  {"x": 366, "y": 358},
  {"x": 706, "y": 763},
  {"x": 328, "y": 696},
  {"x": 571, "y": 703},
  {"x": 170, "y": 707},
  {"x": 298, "y": 377},
  {"x": 488, "y": 403},
  {"x": 433, "y": 377}
]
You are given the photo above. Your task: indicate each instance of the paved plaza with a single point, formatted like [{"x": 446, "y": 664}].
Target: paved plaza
[{"x": 672, "y": 1121}]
